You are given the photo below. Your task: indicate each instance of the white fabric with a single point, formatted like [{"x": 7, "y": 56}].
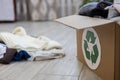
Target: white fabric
[
  {"x": 2, "y": 50},
  {"x": 20, "y": 40},
  {"x": 117, "y": 7},
  {"x": 51, "y": 43},
  {"x": 19, "y": 31},
  {"x": 46, "y": 55}
]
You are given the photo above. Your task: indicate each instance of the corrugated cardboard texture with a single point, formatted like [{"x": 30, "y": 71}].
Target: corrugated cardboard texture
[
  {"x": 109, "y": 37},
  {"x": 106, "y": 34},
  {"x": 117, "y": 52},
  {"x": 80, "y": 22}
]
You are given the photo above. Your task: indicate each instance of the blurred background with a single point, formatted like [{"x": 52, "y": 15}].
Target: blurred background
[{"x": 39, "y": 10}]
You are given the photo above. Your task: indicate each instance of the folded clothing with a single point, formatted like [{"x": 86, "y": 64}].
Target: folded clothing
[
  {"x": 22, "y": 54},
  {"x": 112, "y": 12},
  {"x": 20, "y": 40},
  {"x": 95, "y": 9},
  {"x": 8, "y": 56},
  {"x": 29, "y": 48},
  {"x": 117, "y": 7},
  {"x": 86, "y": 9},
  {"x": 46, "y": 55},
  {"x": 3, "y": 48},
  {"x": 51, "y": 44}
]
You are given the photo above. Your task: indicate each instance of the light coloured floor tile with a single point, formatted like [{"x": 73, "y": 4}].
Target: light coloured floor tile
[
  {"x": 21, "y": 70},
  {"x": 54, "y": 77},
  {"x": 70, "y": 66},
  {"x": 66, "y": 68},
  {"x": 87, "y": 74}
]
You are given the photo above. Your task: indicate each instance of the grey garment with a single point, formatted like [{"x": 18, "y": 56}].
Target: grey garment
[
  {"x": 116, "y": 19},
  {"x": 87, "y": 8},
  {"x": 112, "y": 12},
  {"x": 117, "y": 2}
]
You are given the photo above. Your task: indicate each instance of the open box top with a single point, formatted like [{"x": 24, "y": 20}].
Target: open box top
[{"x": 81, "y": 22}]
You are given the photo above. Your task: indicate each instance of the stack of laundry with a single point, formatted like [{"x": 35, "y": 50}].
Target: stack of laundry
[
  {"x": 103, "y": 9},
  {"x": 94, "y": 9},
  {"x": 17, "y": 46}
]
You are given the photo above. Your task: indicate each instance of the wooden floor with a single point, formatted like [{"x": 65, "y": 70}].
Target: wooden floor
[{"x": 66, "y": 68}]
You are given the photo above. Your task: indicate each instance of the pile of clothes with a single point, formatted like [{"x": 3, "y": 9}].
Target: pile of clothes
[
  {"x": 103, "y": 9},
  {"x": 17, "y": 46}
]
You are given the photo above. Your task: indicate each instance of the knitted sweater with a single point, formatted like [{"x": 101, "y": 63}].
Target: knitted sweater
[{"x": 20, "y": 40}]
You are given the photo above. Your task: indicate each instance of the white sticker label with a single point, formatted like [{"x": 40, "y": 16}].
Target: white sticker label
[{"x": 91, "y": 48}]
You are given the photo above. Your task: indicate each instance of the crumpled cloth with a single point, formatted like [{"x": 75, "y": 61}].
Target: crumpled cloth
[
  {"x": 117, "y": 7},
  {"x": 3, "y": 48},
  {"x": 46, "y": 55},
  {"x": 19, "y": 39},
  {"x": 22, "y": 54}
]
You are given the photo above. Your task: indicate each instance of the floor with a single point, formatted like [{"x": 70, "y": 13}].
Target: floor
[{"x": 66, "y": 68}]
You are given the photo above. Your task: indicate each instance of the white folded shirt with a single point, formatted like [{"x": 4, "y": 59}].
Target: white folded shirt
[
  {"x": 46, "y": 55},
  {"x": 20, "y": 40}
]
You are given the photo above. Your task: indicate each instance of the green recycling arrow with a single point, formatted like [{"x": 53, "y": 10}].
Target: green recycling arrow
[{"x": 91, "y": 54}]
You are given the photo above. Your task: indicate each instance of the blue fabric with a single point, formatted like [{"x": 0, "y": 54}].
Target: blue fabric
[
  {"x": 2, "y": 42},
  {"x": 21, "y": 55},
  {"x": 100, "y": 9},
  {"x": 86, "y": 9}
]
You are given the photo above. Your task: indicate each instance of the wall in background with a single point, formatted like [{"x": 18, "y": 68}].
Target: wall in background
[
  {"x": 7, "y": 10},
  {"x": 116, "y": 0}
]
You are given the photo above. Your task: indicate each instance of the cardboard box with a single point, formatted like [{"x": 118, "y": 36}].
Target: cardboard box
[{"x": 98, "y": 44}]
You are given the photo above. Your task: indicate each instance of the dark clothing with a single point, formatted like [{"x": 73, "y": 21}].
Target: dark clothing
[
  {"x": 21, "y": 55},
  {"x": 100, "y": 9},
  {"x": 95, "y": 9},
  {"x": 8, "y": 56},
  {"x": 99, "y": 12}
]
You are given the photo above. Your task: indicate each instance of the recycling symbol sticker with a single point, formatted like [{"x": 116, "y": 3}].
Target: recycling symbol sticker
[{"x": 91, "y": 48}]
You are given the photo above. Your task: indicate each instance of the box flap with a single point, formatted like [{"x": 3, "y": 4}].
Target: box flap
[
  {"x": 80, "y": 22},
  {"x": 118, "y": 22}
]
